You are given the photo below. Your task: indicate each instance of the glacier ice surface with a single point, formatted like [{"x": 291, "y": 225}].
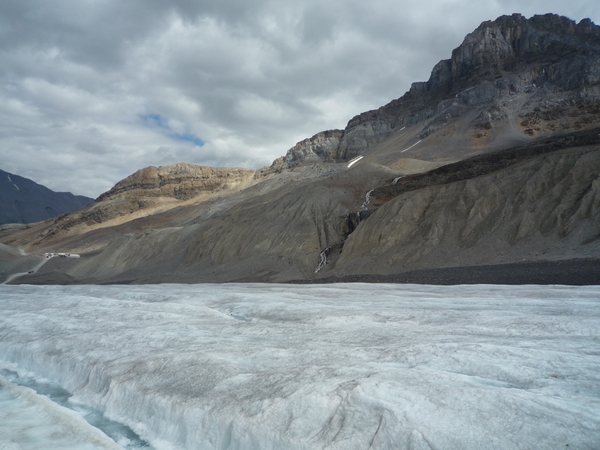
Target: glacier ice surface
[
  {"x": 29, "y": 421},
  {"x": 344, "y": 366}
]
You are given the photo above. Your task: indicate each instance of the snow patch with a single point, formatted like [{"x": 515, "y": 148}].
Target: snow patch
[
  {"x": 354, "y": 161},
  {"x": 406, "y": 149}
]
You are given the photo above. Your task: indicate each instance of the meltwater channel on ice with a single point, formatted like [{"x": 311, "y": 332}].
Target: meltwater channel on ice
[{"x": 255, "y": 366}]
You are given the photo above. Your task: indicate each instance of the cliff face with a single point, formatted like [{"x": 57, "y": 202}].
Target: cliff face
[
  {"x": 180, "y": 181},
  {"x": 508, "y": 60},
  {"x": 322, "y": 147},
  {"x": 493, "y": 160},
  {"x": 549, "y": 56}
]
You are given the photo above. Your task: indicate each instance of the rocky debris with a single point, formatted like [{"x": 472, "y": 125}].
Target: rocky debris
[
  {"x": 575, "y": 272},
  {"x": 482, "y": 165},
  {"x": 539, "y": 203},
  {"x": 576, "y": 114}
]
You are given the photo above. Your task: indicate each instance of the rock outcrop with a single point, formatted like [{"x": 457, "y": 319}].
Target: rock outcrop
[
  {"x": 322, "y": 147},
  {"x": 512, "y": 55},
  {"x": 150, "y": 189},
  {"x": 180, "y": 181},
  {"x": 549, "y": 57}
]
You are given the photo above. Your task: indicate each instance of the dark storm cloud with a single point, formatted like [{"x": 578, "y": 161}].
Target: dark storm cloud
[{"x": 92, "y": 90}]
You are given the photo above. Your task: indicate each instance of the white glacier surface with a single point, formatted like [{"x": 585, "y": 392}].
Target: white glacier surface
[
  {"x": 345, "y": 366},
  {"x": 29, "y": 421}
]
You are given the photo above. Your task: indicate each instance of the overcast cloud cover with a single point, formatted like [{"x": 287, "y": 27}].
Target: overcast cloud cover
[{"x": 93, "y": 90}]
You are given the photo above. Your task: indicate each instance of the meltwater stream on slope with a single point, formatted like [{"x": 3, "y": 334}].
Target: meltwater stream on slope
[{"x": 36, "y": 413}]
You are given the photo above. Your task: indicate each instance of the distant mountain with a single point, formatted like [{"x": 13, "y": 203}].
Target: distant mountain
[
  {"x": 24, "y": 201},
  {"x": 490, "y": 167}
]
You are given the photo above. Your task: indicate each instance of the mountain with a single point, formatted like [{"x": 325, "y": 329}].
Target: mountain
[
  {"x": 24, "y": 201},
  {"x": 487, "y": 172}
]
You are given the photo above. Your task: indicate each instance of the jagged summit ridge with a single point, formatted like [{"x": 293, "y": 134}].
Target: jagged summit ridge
[
  {"x": 507, "y": 56},
  {"x": 512, "y": 41},
  {"x": 501, "y": 58}
]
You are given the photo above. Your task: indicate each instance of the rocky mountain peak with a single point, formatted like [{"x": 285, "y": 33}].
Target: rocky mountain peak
[
  {"x": 509, "y": 42},
  {"x": 509, "y": 56}
]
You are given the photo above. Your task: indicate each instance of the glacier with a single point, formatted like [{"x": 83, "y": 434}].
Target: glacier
[
  {"x": 29, "y": 421},
  {"x": 340, "y": 366}
]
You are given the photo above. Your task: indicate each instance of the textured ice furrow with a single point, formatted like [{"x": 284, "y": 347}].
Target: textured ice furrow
[{"x": 65, "y": 422}]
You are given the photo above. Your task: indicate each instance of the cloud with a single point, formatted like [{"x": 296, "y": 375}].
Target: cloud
[{"x": 93, "y": 90}]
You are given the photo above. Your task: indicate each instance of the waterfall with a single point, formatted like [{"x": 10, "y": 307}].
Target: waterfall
[
  {"x": 323, "y": 261},
  {"x": 367, "y": 199}
]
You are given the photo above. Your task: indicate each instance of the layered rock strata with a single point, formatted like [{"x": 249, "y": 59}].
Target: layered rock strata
[
  {"x": 151, "y": 188},
  {"x": 512, "y": 55}
]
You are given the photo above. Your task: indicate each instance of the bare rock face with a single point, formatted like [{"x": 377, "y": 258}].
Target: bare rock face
[
  {"x": 180, "y": 181},
  {"x": 509, "y": 61},
  {"x": 322, "y": 147},
  {"x": 499, "y": 60},
  {"x": 150, "y": 188}
]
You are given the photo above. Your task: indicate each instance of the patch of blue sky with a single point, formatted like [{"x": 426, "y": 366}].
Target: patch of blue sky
[
  {"x": 158, "y": 121},
  {"x": 188, "y": 137},
  {"x": 154, "y": 120}
]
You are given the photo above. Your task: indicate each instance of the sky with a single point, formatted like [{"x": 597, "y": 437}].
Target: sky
[{"x": 93, "y": 90}]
